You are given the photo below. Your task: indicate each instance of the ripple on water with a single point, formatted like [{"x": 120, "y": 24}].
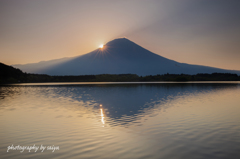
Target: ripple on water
[{"x": 119, "y": 121}]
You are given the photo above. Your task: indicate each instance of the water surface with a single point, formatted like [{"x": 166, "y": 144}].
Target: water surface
[{"x": 122, "y": 120}]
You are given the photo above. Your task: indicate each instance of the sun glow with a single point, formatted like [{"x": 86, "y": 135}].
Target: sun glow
[{"x": 101, "y": 46}]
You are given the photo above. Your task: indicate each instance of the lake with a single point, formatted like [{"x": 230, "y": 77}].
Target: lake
[{"x": 193, "y": 120}]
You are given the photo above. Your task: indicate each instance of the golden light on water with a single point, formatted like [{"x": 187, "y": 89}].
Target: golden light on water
[{"x": 102, "y": 116}]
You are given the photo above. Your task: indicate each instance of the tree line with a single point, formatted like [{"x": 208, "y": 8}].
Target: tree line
[{"x": 9, "y": 74}]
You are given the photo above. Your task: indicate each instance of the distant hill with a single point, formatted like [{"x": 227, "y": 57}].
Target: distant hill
[
  {"x": 119, "y": 56},
  {"x": 9, "y": 73}
]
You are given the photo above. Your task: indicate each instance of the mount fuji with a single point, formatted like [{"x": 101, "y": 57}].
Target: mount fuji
[{"x": 119, "y": 56}]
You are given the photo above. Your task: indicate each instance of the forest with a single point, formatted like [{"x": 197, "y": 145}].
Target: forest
[{"x": 9, "y": 74}]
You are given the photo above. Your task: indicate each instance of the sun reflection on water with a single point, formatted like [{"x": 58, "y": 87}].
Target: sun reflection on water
[{"x": 102, "y": 115}]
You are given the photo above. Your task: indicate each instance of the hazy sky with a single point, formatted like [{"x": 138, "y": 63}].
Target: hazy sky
[{"x": 205, "y": 32}]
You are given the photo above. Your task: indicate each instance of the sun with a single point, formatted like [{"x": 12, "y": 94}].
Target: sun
[{"x": 101, "y": 46}]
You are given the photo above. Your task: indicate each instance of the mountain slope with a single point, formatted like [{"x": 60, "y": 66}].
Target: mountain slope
[
  {"x": 120, "y": 56},
  {"x": 9, "y": 74}
]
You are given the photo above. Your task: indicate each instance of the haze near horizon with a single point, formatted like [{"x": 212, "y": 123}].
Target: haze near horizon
[{"x": 196, "y": 32}]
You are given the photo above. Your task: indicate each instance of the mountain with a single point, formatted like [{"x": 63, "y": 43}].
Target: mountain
[{"x": 119, "y": 56}]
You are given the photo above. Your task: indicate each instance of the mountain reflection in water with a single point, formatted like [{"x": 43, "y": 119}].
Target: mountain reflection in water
[
  {"x": 161, "y": 120},
  {"x": 123, "y": 103},
  {"x": 126, "y": 103}
]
